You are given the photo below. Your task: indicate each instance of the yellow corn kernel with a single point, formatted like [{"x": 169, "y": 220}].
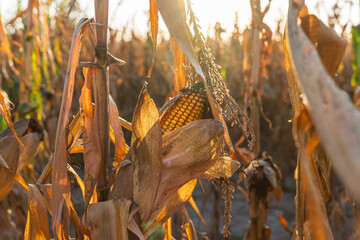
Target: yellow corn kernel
[{"x": 188, "y": 107}]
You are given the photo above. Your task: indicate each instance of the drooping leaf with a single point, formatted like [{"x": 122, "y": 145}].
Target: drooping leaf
[
  {"x": 179, "y": 59},
  {"x": 179, "y": 166},
  {"x": 224, "y": 167},
  {"x": 177, "y": 200},
  {"x": 5, "y": 112},
  {"x": 172, "y": 15},
  {"x": 196, "y": 209},
  {"x": 218, "y": 116},
  {"x": 120, "y": 145},
  {"x": 315, "y": 207},
  {"x": 146, "y": 153},
  {"x": 329, "y": 45},
  {"x": 92, "y": 152},
  {"x": 334, "y": 117},
  {"x": 6, "y": 180},
  {"x": 60, "y": 183},
  {"x": 16, "y": 157},
  {"x": 179, "y": 67}
]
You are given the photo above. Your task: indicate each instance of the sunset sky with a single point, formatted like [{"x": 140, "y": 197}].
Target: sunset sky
[{"x": 134, "y": 13}]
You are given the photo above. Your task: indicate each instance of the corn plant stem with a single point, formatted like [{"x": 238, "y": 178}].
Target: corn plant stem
[
  {"x": 25, "y": 79},
  {"x": 255, "y": 224},
  {"x": 102, "y": 94},
  {"x": 300, "y": 201},
  {"x": 255, "y": 70}
]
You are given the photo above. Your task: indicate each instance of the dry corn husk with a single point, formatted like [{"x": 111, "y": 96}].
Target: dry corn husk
[
  {"x": 186, "y": 153},
  {"x": 13, "y": 156}
]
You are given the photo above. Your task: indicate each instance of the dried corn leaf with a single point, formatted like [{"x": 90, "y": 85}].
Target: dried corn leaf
[
  {"x": 36, "y": 224},
  {"x": 334, "y": 117},
  {"x": 16, "y": 157},
  {"x": 203, "y": 141},
  {"x": 179, "y": 58},
  {"x": 196, "y": 209},
  {"x": 60, "y": 183},
  {"x": 177, "y": 200},
  {"x": 6, "y": 174},
  {"x": 120, "y": 145},
  {"x": 112, "y": 219},
  {"x": 329, "y": 45},
  {"x": 224, "y": 167},
  {"x": 189, "y": 226},
  {"x": 75, "y": 129},
  {"x": 168, "y": 232},
  {"x": 146, "y": 153},
  {"x": 172, "y": 15},
  {"x": 123, "y": 184},
  {"x": 315, "y": 207},
  {"x": 154, "y": 23},
  {"x": 5, "y": 112},
  {"x": 92, "y": 153},
  {"x": 217, "y": 116},
  {"x": 179, "y": 67}
]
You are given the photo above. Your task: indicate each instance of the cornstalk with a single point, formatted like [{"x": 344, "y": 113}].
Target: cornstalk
[
  {"x": 255, "y": 108},
  {"x": 25, "y": 79},
  {"x": 258, "y": 218},
  {"x": 102, "y": 93}
]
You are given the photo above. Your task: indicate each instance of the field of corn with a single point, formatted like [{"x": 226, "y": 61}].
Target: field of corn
[{"x": 179, "y": 136}]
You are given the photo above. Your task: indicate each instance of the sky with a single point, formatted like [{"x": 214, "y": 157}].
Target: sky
[{"x": 134, "y": 13}]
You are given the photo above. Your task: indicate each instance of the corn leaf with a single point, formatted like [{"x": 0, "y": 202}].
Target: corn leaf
[
  {"x": 5, "y": 112},
  {"x": 92, "y": 154},
  {"x": 196, "y": 209},
  {"x": 36, "y": 224},
  {"x": 112, "y": 219},
  {"x": 334, "y": 117},
  {"x": 177, "y": 200},
  {"x": 120, "y": 145},
  {"x": 179, "y": 166},
  {"x": 189, "y": 226},
  {"x": 179, "y": 67},
  {"x": 146, "y": 153},
  {"x": 179, "y": 58},
  {"x": 6, "y": 172},
  {"x": 60, "y": 182},
  {"x": 315, "y": 207},
  {"x": 172, "y": 15},
  {"x": 329, "y": 45},
  {"x": 224, "y": 167},
  {"x": 168, "y": 232}
]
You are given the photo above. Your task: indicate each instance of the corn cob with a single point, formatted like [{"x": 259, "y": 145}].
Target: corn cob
[{"x": 188, "y": 106}]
